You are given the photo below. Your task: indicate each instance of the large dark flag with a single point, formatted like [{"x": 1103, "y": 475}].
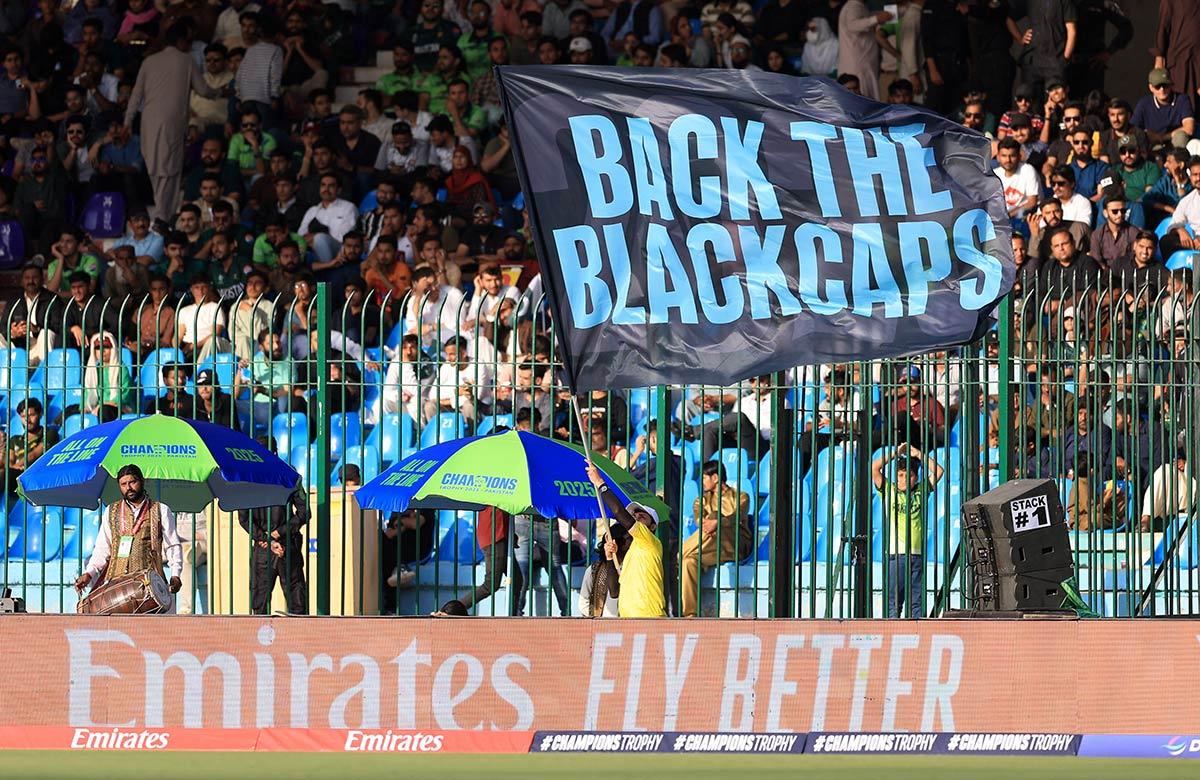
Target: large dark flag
[{"x": 704, "y": 226}]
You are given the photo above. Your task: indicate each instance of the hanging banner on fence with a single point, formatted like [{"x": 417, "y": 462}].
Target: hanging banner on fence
[{"x": 704, "y": 226}]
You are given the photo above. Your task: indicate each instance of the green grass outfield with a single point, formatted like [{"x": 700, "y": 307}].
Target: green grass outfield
[{"x": 50, "y": 765}]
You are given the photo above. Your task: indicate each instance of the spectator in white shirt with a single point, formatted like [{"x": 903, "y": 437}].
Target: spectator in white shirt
[
  {"x": 1076, "y": 208},
  {"x": 433, "y": 309},
  {"x": 490, "y": 294},
  {"x": 1019, "y": 180},
  {"x": 1187, "y": 214},
  {"x": 407, "y": 380},
  {"x": 748, "y": 422},
  {"x": 326, "y": 224},
  {"x": 202, "y": 323},
  {"x": 461, "y": 386},
  {"x": 1172, "y": 491}
]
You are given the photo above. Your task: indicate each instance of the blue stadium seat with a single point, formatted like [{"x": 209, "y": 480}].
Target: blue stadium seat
[
  {"x": 446, "y": 426},
  {"x": 395, "y": 436},
  {"x": 16, "y": 425},
  {"x": 640, "y": 406},
  {"x": 345, "y": 430},
  {"x": 60, "y": 370},
  {"x": 1182, "y": 258},
  {"x": 303, "y": 459},
  {"x": 77, "y": 422},
  {"x": 366, "y": 457},
  {"x": 738, "y": 464},
  {"x": 762, "y": 476},
  {"x": 40, "y": 537},
  {"x": 14, "y": 368},
  {"x": 224, "y": 365},
  {"x": 493, "y": 421},
  {"x": 151, "y": 374},
  {"x": 289, "y": 430},
  {"x": 458, "y": 545},
  {"x": 80, "y": 529}
]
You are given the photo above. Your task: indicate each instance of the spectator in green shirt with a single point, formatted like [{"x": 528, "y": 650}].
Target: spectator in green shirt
[
  {"x": 26, "y": 447},
  {"x": 271, "y": 378},
  {"x": 1138, "y": 175},
  {"x": 470, "y": 121},
  {"x": 905, "y": 499},
  {"x": 448, "y": 67},
  {"x": 69, "y": 258},
  {"x": 404, "y": 75},
  {"x": 251, "y": 147},
  {"x": 474, "y": 42},
  {"x": 265, "y": 255}
]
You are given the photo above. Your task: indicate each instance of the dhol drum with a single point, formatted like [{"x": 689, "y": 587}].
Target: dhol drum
[{"x": 136, "y": 593}]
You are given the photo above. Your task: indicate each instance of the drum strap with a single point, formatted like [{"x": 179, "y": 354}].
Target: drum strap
[{"x": 146, "y": 530}]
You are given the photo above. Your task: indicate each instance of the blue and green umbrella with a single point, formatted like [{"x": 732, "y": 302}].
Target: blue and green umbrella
[
  {"x": 519, "y": 472},
  {"x": 187, "y": 464}
]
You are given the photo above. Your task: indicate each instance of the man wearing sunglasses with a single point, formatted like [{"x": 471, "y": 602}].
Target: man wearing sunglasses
[
  {"x": 1164, "y": 114},
  {"x": 1058, "y": 151},
  {"x": 1091, "y": 175},
  {"x": 1114, "y": 238},
  {"x": 1075, "y": 207},
  {"x": 1136, "y": 175}
]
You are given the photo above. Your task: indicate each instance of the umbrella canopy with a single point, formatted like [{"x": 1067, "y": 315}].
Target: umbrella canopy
[
  {"x": 187, "y": 463},
  {"x": 521, "y": 473}
]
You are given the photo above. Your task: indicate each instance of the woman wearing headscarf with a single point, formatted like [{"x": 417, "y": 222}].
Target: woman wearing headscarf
[
  {"x": 776, "y": 61},
  {"x": 820, "y": 49},
  {"x": 466, "y": 185},
  {"x": 107, "y": 389}
]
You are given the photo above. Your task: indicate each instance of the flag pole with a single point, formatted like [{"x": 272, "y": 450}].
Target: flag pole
[{"x": 587, "y": 455}]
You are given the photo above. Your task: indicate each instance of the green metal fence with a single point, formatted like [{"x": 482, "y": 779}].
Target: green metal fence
[{"x": 839, "y": 489}]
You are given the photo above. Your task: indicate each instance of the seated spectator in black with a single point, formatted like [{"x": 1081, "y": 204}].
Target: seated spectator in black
[
  {"x": 408, "y": 539},
  {"x": 360, "y": 318},
  {"x": 1051, "y": 212},
  {"x": 213, "y": 162},
  {"x": 1027, "y": 266},
  {"x": 285, "y": 204},
  {"x": 343, "y": 386},
  {"x": 371, "y": 222},
  {"x": 262, "y": 192},
  {"x": 355, "y": 150},
  {"x": 319, "y": 118},
  {"x": 343, "y": 267},
  {"x": 226, "y": 269},
  {"x": 303, "y": 70},
  {"x": 177, "y": 265},
  {"x": 291, "y": 266},
  {"x": 1089, "y": 441},
  {"x": 1068, "y": 272},
  {"x": 210, "y": 196},
  {"x": 1165, "y": 115},
  {"x": 173, "y": 399},
  {"x": 1119, "y": 127},
  {"x": 850, "y": 83},
  {"x": 26, "y": 447},
  {"x": 41, "y": 200},
  {"x": 319, "y": 160},
  {"x": 87, "y": 314},
  {"x": 1138, "y": 273},
  {"x": 35, "y": 316},
  {"x": 1114, "y": 238},
  {"x": 481, "y": 242},
  {"x": 442, "y": 146},
  {"x": 1055, "y": 132},
  {"x": 213, "y": 404},
  {"x": 548, "y": 51},
  {"x": 188, "y": 223},
  {"x": 116, "y": 157}
]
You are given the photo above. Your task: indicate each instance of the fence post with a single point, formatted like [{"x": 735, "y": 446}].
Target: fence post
[
  {"x": 320, "y": 478},
  {"x": 783, "y": 588},
  {"x": 1005, "y": 407}
]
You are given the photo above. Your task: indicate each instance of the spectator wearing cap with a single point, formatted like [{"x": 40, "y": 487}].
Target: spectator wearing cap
[
  {"x": 1033, "y": 151},
  {"x": 579, "y": 50},
  {"x": 1022, "y": 104},
  {"x": 740, "y": 54},
  {"x": 1164, "y": 114},
  {"x": 405, "y": 75},
  {"x": 1120, "y": 132},
  {"x": 482, "y": 239},
  {"x": 1114, "y": 238},
  {"x": 212, "y": 402}
]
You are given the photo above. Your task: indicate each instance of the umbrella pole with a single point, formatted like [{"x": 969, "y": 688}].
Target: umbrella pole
[{"x": 587, "y": 454}]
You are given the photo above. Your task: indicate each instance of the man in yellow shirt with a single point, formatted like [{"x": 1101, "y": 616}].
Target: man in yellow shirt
[{"x": 641, "y": 577}]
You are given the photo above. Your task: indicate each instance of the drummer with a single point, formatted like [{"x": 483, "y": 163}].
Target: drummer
[{"x": 145, "y": 534}]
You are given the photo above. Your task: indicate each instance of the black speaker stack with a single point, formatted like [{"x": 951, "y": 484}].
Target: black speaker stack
[{"x": 1020, "y": 549}]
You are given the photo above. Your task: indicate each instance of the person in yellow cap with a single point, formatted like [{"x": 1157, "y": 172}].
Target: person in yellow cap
[{"x": 641, "y": 578}]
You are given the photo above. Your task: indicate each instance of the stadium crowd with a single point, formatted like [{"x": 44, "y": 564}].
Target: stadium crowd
[{"x": 211, "y": 132}]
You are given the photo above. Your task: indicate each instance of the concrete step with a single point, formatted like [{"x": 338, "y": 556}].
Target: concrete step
[
  {"x": 383, "y": 58},
  {"x": 369, "y": 75},
  {"x": 346, "y": 94}
]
